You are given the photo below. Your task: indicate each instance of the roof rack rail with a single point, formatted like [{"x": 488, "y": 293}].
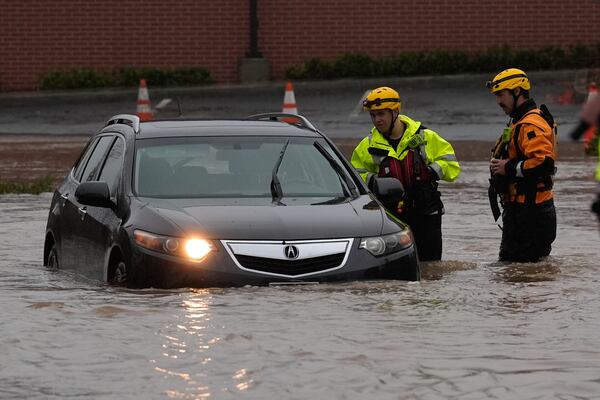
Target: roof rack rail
[
  {"x": 127, "y": 119},
  {"x": 276, "y": 116}
]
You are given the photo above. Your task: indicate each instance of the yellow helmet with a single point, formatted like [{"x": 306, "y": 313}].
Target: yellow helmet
[
  {"x": 511, "y": 78},
  {"x": 382, "y": 98}
]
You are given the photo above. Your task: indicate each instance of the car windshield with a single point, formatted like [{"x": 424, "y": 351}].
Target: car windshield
[{"x": 200, "y": 167}]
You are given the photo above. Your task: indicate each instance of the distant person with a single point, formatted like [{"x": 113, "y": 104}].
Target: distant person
[
  {"x": 522, "y": 167},
  {"x": 590, "y": 116},
  {"x": 404, "y": 149}
]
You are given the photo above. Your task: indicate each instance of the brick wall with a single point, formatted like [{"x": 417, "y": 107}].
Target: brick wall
[{"x": 39, "y": 36}]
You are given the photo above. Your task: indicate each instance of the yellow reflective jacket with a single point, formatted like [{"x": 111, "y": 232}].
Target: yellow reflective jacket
[
  {"x": 598, "y": 167},
  {"x": 436, "y": 152}
]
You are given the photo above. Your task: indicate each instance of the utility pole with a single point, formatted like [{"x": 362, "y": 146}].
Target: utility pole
[
  {"x": 253, "y": 53},
  {"x": 254, "y": 67}
]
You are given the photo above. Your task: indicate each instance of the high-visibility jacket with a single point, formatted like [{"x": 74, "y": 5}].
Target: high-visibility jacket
[
  {"x": 598, "y": 166},
  {"x": 532, "y": 156},
  {"x": 436, "y": 152}
]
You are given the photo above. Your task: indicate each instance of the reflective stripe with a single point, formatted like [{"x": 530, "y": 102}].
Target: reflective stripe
[
  {"x": 437, "y": 168},
  {"x": 506, "y": 78},
  {"x": 519, "y": 169},
  {"x": 447, "y": 157},
  {"x": 361, "y": 170}
]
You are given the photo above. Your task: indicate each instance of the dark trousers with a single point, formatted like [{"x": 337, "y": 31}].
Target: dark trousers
[
  {"x": 427, "y": 230},
  {"x": 527, "y": 232}
]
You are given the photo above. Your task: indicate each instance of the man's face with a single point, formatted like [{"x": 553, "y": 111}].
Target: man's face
[
  {"x": 505, "y": 100},
  {"x": 382, "y": 119}
]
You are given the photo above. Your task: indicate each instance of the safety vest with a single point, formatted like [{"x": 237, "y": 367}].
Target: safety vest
[{"x": 532, "y": 140}]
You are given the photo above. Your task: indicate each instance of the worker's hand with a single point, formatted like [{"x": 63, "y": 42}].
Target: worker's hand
[{"x": 498, "y": 167}]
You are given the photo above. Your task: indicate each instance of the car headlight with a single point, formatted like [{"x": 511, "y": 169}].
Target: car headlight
[
  {"x": 194, "y": 249},
  {"x": 381, "y": 245}
]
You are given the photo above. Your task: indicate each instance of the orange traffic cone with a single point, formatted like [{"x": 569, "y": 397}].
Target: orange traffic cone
[
  {"x": 590, "y": 133},
  {"x": 144, "y": 112},
  {"x": 289, "y": 102}
]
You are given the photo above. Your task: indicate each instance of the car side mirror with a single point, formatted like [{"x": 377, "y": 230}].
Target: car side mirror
[
  {"x": 94, "y": 193},
  {"x": 387, "y": 186}
]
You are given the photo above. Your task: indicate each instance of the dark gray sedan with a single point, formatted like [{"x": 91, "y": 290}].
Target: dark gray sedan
[{"x": 222, "y": 203}]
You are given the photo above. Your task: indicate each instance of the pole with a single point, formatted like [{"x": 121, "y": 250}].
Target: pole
[{"x": 254, "y": 53}]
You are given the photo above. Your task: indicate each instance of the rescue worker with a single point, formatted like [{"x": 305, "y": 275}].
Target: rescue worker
[
  {"x": 401, "y": 147},
  {"x": 522, "y": 167}
]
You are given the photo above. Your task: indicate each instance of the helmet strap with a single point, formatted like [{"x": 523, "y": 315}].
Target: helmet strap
[
  {"x": 515, "y": 100},
  {"x": 392, "y": 124}
]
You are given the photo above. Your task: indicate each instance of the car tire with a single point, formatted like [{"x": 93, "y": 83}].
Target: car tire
[
  {"x": 52, "y": 259},
  {"x": 119, "y": 274}
]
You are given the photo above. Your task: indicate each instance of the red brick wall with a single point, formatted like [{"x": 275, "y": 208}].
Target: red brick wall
[{"x": 39, "y": 36}]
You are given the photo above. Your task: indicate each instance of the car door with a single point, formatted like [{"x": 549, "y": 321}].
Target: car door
[
  {"x": 101, "y": 224},
  {"x": 75, "y": 246},
  {"x": 67, "y": 216}
]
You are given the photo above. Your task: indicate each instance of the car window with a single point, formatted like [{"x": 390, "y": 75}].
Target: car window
[
  {"x": 95, "y": 160},
  {"x": 113, "y": 166},
  {"x": 81, "y": 163},
  {"x": 233, "y": 167}
]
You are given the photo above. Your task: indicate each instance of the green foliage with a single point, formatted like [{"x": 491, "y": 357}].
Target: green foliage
[
  {"x": 87, "y": 78},
  {"x": 46, "y": 184},
  {"x": 441, "y": 62}
]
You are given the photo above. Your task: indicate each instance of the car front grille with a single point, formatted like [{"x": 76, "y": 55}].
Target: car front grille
[
  {"x": 290, "y": 259},
  {"x": 291, "y": 267}
]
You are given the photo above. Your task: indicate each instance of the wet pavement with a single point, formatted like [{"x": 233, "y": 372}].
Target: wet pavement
[
  {"x": 457, "y": 106},
  {"x": 473, "y": 328}
]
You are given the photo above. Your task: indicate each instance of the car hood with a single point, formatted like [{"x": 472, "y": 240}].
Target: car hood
[{"x": 260, "y": 219}]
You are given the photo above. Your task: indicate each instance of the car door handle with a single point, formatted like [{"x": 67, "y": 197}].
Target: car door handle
[
  {"x": 83, "y": 210},
  {"x": 65, "y": 196}
]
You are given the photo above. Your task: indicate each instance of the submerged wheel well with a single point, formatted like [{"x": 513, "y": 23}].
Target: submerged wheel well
[
  {"x": 48, "y": 243},
  {"x": 116, "y": 255}
]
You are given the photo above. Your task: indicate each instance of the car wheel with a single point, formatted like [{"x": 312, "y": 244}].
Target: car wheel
[
  {"x": 119, "y": 275},
  {"x": 52, "y": 260}
]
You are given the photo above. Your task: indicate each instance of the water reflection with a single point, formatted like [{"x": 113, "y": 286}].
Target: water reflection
[{"x": 187, "y": 348}]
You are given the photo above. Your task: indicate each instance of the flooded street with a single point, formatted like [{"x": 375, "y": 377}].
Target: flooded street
[{"x": 473, "y": 328}]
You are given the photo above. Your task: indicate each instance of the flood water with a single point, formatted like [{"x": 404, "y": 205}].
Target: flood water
[{"x": 473, "y": 328}]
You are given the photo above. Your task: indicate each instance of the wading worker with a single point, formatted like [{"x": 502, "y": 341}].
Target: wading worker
[
  {"x": 402, "y": 148},
  {"x": 522, "y": 166}
]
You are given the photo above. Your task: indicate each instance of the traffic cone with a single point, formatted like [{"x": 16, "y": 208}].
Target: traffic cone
[
  {"x": 144, "y": 112},
  {"x": 289, "y": 102},
  {"x": 590, "y": 133}
]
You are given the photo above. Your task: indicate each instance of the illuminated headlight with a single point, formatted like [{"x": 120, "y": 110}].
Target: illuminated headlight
[
  {"x": 380, "y": 245},
  {"x": 194, "y": 249}
]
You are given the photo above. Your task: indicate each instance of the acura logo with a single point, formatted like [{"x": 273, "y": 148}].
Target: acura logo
[{"x": 291, "y": 252}]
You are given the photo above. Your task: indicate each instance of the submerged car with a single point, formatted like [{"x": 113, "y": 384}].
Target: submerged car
[{"x": 208, "y": 203}]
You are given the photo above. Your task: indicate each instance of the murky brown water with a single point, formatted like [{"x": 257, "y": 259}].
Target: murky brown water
[{"x": 472, "y": 329}]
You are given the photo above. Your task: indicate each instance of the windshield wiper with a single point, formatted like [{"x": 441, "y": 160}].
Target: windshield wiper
[
  {"x": 338, "y": 169},
  {"x": 276, "y": 192}
]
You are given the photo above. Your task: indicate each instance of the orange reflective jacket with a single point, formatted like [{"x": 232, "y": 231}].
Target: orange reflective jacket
[{"x": 532, "y": 155}]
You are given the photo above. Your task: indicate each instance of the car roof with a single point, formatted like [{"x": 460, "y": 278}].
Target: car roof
[
  {"x": 270, "y": 124},
  {"x": 170, "y": 128}
]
